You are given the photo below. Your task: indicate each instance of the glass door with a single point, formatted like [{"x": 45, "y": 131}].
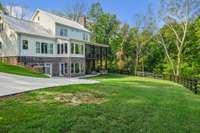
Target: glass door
[{"x": 48, "y": 69}]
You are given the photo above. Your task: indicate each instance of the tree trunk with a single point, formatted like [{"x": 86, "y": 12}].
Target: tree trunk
[
  {"x": 178, "y": 65},
  {"x": 136, "y": 63}
]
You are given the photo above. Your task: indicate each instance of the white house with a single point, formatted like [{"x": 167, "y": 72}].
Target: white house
[{"x": 60, "y": 46}]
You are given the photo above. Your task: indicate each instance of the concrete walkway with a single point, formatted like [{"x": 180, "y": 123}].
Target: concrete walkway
[{"x": 13, "y": 84}]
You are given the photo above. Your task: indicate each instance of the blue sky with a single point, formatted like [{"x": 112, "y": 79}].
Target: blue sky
[{"x": 124, "y": 9}]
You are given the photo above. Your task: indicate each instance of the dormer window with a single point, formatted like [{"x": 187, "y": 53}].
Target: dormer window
[
  {"x": 85, "y": 36},
  {"x": 64, "y": 32},
  {"x": 61, "y": 32}
]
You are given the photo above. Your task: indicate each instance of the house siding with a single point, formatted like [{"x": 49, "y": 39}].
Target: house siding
[{"x": 12, "y": 51}]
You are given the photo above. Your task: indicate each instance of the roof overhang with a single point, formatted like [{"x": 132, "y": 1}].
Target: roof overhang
[{"x": 90, "y": 43}]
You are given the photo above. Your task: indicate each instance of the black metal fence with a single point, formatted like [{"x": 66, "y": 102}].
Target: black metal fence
[{"x": 191, "y": 83}]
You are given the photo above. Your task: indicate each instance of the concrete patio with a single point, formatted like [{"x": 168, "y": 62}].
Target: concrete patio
[{"x": 14, "y": 84}]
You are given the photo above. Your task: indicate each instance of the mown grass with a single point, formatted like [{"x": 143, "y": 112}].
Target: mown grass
[
  {"x": 12, "y": 69},
  {"x": 131, "y": 104}
]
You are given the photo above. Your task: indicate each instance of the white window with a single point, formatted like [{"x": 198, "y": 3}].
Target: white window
[
  {"x": 72, "y": 68},
  {"x": 66, "y": 48},
  {"x": 85, "y": 36},
  {"x": 82, "y": 68},
  {"x": 82, "y": 49},
  {"x": 72, "y": 48},
  {"x": 44, "y": 48},
  {"x": 62, "y": 48},
  {"x": 61, "y": 32},
  {"x": 25, "y": 44},
  {"x": 58, "y": 48},
  {"x": 66, "y": 69},
  {"x": 77, "y": 68},
  {"x": 1, "y": 45},
  {"x": 77, "y": 49},
  {"x": 65, "y": 32},
  {"x": 38, "y": 48},
  {"x": 51, "y": 48}
]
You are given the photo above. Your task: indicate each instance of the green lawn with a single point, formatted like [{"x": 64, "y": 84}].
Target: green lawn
[
  {"x": 119, "y": 104},
  {"x": 12, "y": 69}
]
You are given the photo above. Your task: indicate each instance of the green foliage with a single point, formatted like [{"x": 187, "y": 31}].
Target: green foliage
[
  {"x": 95, "y": 11},
  {"x": 140, "y": 40}
]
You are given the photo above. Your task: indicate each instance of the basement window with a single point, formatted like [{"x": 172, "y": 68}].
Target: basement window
[{"x": 25, "y": 44}]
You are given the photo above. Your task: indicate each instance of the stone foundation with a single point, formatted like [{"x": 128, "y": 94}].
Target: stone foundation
[{"x": 9, "y": 60}]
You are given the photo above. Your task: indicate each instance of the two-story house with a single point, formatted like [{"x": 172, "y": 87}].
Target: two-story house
[{"x": 59, "y": 46}]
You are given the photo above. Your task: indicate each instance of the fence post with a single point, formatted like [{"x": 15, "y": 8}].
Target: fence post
[{"x": 195, "y": 86}]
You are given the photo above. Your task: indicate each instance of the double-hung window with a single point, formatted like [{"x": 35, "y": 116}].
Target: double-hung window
[
  {"x": 72, "y": 68},
  {"x": 72, "y": 48},
  {"x": 61, "y": 32},
  {"x": 51, "y": 48},
  {"x": 58, "y": 48},
  {"x": 82, "y": 49},
  {"x": 44, "y": 48},
  {"x": 77, "y": 68},
  {"x": 65, "y": 32},
  {"x": 66, "y": 70},
  {"x": 66, "y": 48},
  {"x": 77, "y": 49},
  {"x": 38, "y": 48},
  {"x": 82, "y": 68},
  {"x": 62, "y": 49}
]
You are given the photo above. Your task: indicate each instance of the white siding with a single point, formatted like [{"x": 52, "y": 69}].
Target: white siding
[
  {"x": 72, "y": 32},
  {"x": 45, "y": 21},
  {"x": 31, "y": 51}
]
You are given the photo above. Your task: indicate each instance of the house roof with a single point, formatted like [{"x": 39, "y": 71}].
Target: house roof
[
  {"x": 62, "y": 20},
  {"x": 26, "y": 27}
]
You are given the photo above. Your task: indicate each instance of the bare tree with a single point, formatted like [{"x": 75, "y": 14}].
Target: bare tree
[
  {"x": 145, "y": 27},
  {"x": 19, "y": 11},
  {"x": 75, "y": 11},
  {"x": 173, "y": 13}
]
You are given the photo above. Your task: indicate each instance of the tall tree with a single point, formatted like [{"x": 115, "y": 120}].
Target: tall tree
[
  {"x": 145, "y": 26},
  {"x": 177, "y": 15},
  {"x": 95, "y": 11},
  {"x": 120, "y": 52}
]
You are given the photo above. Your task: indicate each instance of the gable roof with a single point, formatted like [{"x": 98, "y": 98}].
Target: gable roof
[
  {"x": 26, "y": 27},
  {"x": 62, "y": 20}
]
